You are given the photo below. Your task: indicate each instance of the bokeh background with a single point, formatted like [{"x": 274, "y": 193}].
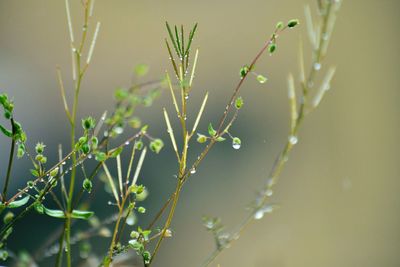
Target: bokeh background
[{"x": 339, "y": 193}]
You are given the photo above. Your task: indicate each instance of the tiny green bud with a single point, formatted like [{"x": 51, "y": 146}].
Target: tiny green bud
[
  {"x": 85, "y": 148},
  {"x": 21, "y": 150},
  {"x": 135, "y": 122},
  {"x": 82, "y": 140},
  {"x": 279, "y": 25},
  {"x": 8, "y": 217},
  {"x": 239, "y": 102},
  {"x": 101, "y": 156},
  {"x": 39, "y": 148},
  {"x": 87, "y": 185},
  {"x": 139, "y": 145},
  {"x": 141, "y": 69},
  {"x": 156, "y": 145},
  {"x": 38, "y": 207},
  {"x": 236, "y": 143},
  {"x": 141, "y": 210},
  {"x": 7, "y": 114},
  {"x": 95, "y": 141},
  {"x": 141, "y": 194},
  {"x": 144, "y": 128},
  {"x": 201, "y": 138},
  {"x": 3, "y": 255},
  {"x": 261, "y": 79},
  {"x": 272, "y": 48},
  {"x": 88, "y": 123},
  {"x": 243, "y": 71},
  {"x": 30, "y": 184},
  {"x": 292, "y": 23},
  {"x": 121, "y": 94},
  {"x": 54, "y": 172},
  {"x": 146, "y": 257},
  {"x": 134, "y": 234}
]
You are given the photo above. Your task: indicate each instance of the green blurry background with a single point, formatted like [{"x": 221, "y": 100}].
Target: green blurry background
[{"x": 339, "y": 193}]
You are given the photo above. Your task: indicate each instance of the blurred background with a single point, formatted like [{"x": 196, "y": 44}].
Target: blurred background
[{"x": 339, "y": 192}]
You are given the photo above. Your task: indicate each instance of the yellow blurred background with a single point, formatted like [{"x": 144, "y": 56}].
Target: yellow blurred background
[{"x": 339, "y": 193}]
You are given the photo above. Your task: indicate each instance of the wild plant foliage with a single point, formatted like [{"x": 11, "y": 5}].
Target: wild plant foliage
[{"x": 67, "y": 182}]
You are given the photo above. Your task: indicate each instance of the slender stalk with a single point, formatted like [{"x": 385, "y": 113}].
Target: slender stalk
[
  {"x": 283, "y": 156},
  {"x": 10, "y": 162}
]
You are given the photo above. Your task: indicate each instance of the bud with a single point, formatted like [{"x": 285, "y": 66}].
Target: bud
[
  {"x": 201, "y": 138},
  {"x": 262, "y": 79},
  {"x": 279, "y": 25},
  {"x": 85, "y": 148},
  {"x": 272, "y": 48},
  {"x": 88, "y": 123},
  {"x": 101, "y": 156},
  {"x": 292, "y": 23},
  {"x": 156, "y": 145},
  {"x": 239, "y": 102},
  {"x": 87, "y": 185},
  {"x": 141, "y": 209},
  {"x": 8, "y": 217},
  {"x": 243, "y": 71},
  {"x": 139, "y": 145},
  {"x": 40, "y": 148}
]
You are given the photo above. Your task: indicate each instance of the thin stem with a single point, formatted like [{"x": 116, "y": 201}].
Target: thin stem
[{"x": 10, "y": 161}]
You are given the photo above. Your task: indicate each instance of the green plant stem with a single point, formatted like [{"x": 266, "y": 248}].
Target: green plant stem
[
  {"x": 10, "y": 162},
  {"x": 282, "y": 158},
  {"x": 107, "y": 261}
]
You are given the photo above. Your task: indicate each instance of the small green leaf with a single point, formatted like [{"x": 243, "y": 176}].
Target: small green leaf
[
  {"x": 220, "y": 139},
  {"x": 18, "y": 203},
  {"x": 54, "y": 213},
  {"x": 114, "y": 153},
  {"x": 34, "y": 173},
  {"x": 81, "y": 214},
  {"x": 211, "y": 130},
  {"x": 5, "y": 131}
]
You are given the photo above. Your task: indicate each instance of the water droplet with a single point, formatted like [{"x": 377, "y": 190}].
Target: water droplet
[
  {"x": 105, "y": 133},
  {"x": 293, "y": 139},
  {"x": 118, "y": 130},
  {"x": 317, "y": 66},
  {"x": 89, "y": 157},
  {"x": 236, "y": 145},
  {"x": 69, "y": 157},
  {"x": 258, "y": 215},
  {"x": 109, "y": 203},
  {"x": 193, "y": 171},
  {"x": 63, "y": 163},
  {"x": 127, "y": 143},
  {"x": 269, "y": 192},
  {"x": 186, "y": 96}
]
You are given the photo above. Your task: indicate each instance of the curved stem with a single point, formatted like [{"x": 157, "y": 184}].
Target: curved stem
[{"x": 10, "y": 162}]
